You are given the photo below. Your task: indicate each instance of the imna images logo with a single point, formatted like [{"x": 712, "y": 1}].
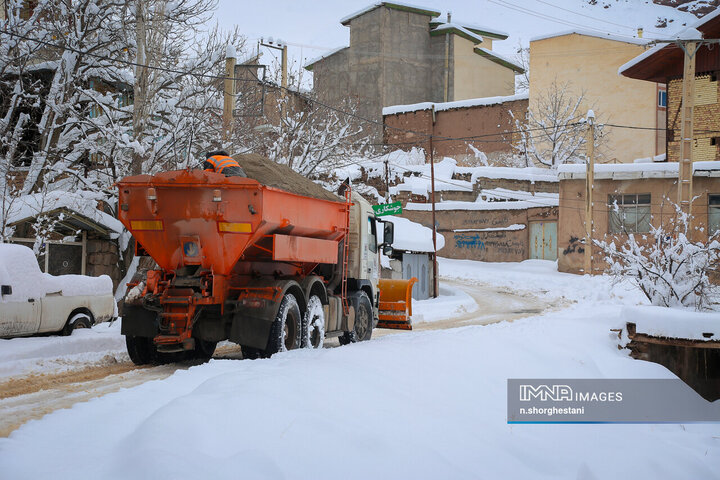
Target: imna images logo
[{"x": 555, "y": 393}]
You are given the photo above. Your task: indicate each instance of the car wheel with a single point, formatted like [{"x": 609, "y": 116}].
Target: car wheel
[{"x": 79, "y": 320}]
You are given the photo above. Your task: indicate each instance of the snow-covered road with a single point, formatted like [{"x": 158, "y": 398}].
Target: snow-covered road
[
  {"x": 75, "y": 369},
  {"x": 421, "y": 404}
]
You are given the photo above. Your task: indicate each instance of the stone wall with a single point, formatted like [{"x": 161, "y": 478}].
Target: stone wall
[{"x": 103, "y": 259}]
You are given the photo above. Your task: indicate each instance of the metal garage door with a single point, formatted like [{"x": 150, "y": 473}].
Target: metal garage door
[
  {"x": 418, "y": 266},
  {"x": 543, "y": 240}
]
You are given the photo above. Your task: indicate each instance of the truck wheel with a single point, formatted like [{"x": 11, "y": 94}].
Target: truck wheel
[
  {"x": 314, "y": 324},
  {"x": 142, "y": 350},
  {"x": 204, "y": 350},
  {"x": 286, "y": 331},
  {"x": 363, "y": 322},
  {"x": 79, "y": 320}
]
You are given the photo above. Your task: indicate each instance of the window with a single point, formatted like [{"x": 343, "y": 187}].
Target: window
[
  {"x": 372, "y": 235},
  {"x": 713, "y": 214},
  {"x": 662, "y": 98},
  {"x": 629, "y": 213},
  {"x": 714, "y": 140}
]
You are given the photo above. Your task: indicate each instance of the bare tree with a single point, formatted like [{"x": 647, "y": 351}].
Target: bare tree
[{"x": 554, "y": 130}]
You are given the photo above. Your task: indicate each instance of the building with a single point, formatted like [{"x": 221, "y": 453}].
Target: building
[
  {"x": 82, "y": 239},
  {"x": 401, "y": 54},
  {"x": 479, "y": 124},
  {"x": 663, "y": 65},
  {"x": 629, "y": 199},
  {"x": 501, "y": 225},
  {"x": 586, "y": 63}
]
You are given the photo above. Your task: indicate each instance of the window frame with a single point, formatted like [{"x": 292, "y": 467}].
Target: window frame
[
  {"x": 713, "y": 209},
  {"x": 629, "y": 204}
]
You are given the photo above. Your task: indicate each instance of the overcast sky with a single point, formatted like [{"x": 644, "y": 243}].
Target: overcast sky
[{"x": 312, "y": 27}]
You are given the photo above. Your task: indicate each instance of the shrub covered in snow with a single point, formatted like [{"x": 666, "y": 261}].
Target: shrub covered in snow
[{"x": 669, "y": 268}]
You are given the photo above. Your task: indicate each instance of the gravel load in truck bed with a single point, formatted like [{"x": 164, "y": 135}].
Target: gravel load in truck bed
[{"x": 275, "y": 175}]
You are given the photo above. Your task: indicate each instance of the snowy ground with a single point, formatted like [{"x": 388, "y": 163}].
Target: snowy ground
[
  {"x": 424, "y": 404},
  {"x": 101, "y": 344}
]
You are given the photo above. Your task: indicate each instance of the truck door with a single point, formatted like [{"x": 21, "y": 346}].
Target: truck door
[{"x": 19, "y": 317}]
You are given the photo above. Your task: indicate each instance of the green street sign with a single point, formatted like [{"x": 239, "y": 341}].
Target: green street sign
[{"x": 394, "y": 208}]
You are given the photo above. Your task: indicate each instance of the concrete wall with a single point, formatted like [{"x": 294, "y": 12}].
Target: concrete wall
[
  {"x": 488, "y": 246},
  {"x": 458, "y": 123},
  {"x": 706, "y": 118},
  {"x": 476, "y": 76},
  {"x": 571, "y": 224},
  {"x": 590, "y": 64}
]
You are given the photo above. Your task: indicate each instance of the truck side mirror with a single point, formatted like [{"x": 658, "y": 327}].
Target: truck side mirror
[
  {"x": 387, "y": 250},
  {"x": 388, "y": 233},
  {"x": 6, "y": 290}
]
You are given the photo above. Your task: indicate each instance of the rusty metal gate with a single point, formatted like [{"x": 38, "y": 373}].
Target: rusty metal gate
[{"x": 543, "y": 240}]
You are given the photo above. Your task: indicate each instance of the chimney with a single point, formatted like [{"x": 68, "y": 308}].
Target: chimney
[
  {"x": 640, "y": 32},
  {"x": 449, "y": 16}
]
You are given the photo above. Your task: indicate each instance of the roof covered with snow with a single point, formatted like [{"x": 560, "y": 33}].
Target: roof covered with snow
[
  {"x": 456, "y": 29},
  {"x": 626, "y": 171},
  {"x": 309, "y": 64},
  {"x": 413, "y": 237},
  {"x": 475, "y": 28},
  {"x": 512, "y": 200},
  {"x": 66, "y": 205},
  {"x": 708, "y": 26},
  {"x": 499, "y": 59},
  {"x": 407, "y": 7},
  {"x": 441, "y": 106},
  {"x": 590, "y": 33}
]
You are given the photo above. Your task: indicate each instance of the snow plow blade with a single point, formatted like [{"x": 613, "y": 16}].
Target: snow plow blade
[{"x": 395, "y": 310}]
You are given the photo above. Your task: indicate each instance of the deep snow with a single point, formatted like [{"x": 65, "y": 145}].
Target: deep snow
[{"x": 413, "y": 405}]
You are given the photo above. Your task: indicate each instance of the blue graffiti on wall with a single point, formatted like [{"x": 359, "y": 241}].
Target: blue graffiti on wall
[{"x": 469, "y": 241}]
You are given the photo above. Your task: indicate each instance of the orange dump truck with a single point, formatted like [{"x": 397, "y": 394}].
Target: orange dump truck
[{"x": 248, "y": 262}]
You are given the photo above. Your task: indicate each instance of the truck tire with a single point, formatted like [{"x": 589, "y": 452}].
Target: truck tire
[
  {"x": 203, "y": 349},
  {"x": 362, "y": 330},
  {"x": 141, "y": 349},
  {"x": 314, "y": 324},
  {"x": 286, "y": 331}
]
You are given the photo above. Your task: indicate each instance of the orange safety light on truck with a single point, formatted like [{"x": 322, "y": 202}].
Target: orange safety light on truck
[{"x": 246, "y": 261}]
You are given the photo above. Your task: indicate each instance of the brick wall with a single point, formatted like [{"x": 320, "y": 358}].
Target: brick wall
[
  {"x": 487, "y": 122},
  {"x": 706, "y": 118}
]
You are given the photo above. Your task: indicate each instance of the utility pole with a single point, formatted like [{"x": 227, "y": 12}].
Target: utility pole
[
  {"x": 685, "y": 169},
  {"x": 432, "y": 199},
  {"x": 229, "y": 93},
  {"x": 282, "y": 46},
  {"x": 589, "y": 180},
  {"x": 387, "y": 182}
]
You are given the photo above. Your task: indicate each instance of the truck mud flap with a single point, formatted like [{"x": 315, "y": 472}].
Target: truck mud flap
[
  {"x": 139, "y": 322},
  {"x": 252, "y": 330}
]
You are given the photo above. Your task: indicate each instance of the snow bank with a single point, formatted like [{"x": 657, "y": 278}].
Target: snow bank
[
  {"x": 540, "y": 201},
  {"x": 19, "y": 268},
  {"x": 417, "y": 405},
  {"x": 540, "y": 277},
  {"x": 86, "y": 346},
  {"x": 450, "y": 303},
  {"x": 673, "y": 322}
]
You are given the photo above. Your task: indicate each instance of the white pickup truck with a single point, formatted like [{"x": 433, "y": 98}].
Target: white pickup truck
[{"x": 33, "y": 302}]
